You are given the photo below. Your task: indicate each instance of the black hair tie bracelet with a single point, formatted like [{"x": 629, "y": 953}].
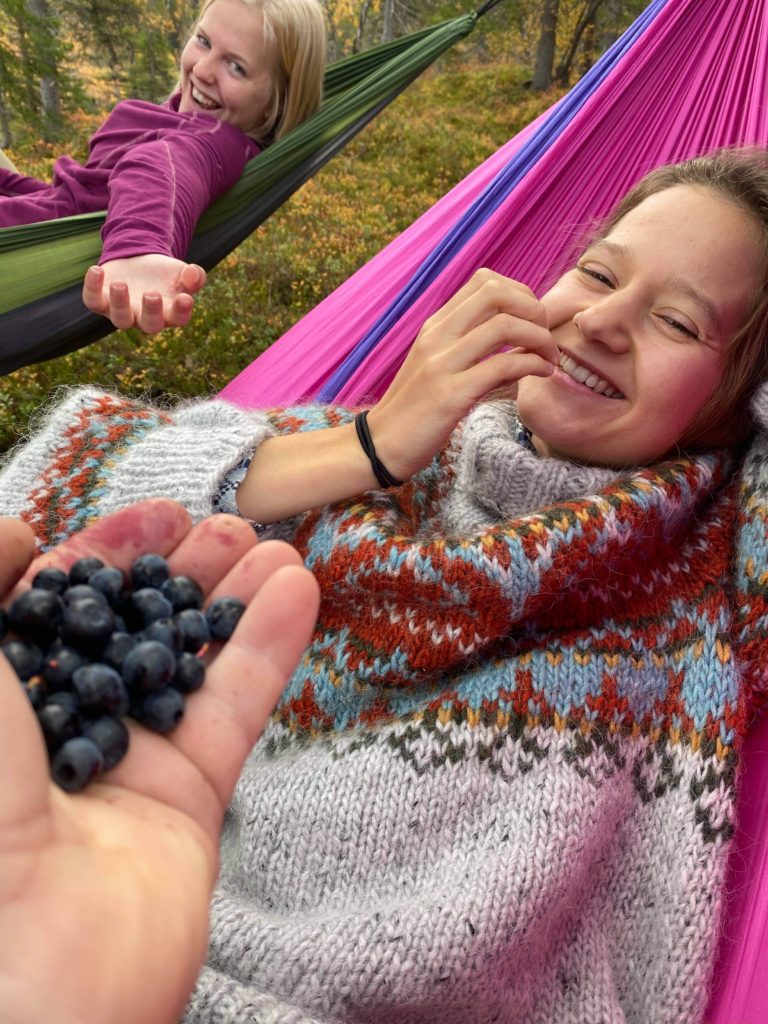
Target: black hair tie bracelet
[{"x": 380, "y": 471}]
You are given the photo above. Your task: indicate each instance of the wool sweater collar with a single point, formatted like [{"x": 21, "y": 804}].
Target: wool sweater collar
[{"x": 498, "y": 474}]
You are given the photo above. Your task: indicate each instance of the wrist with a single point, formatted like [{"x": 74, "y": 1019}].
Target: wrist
[{"x": 383, "y": 476}]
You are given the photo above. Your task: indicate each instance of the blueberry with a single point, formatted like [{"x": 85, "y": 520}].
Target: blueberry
[
  {"x": 76, "y": 763},
  {"x": 189, "y": 674},
  {"x": 111, "y": 737},
  {"x": 149, "y": 571},
  {"x": 144, "y": 606},
  {"x": 51, "y": 579},
  {"x": 108, "y": 644},
  {"x": 110, "y": 582},
  {"x": 100, "y": 689},
  {"x": 65, "y": 699},
  {"x": 116, "y": 649},
  {"x": 223, "y": 615},
  {"x": 88, "y": 624},
  {"x": 60, "y": 663},
  {"x": 36, "y": 615},
  {"x": 58, "y": 722},
  {"x": 160, "y": 710},
  {"x": 148, "y": 666},
  {"x": 194, "y": 629},
  {"x": 166, "y": 631},
  {"x": 82, "y": 590},
  {"x": 26, "y": 658},
  {"x": 183, "y": 592},
  {"x": 82, "y": 570}
]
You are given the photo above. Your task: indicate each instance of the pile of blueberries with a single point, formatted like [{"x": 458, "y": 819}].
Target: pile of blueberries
[{"x": 95, "y": 644}]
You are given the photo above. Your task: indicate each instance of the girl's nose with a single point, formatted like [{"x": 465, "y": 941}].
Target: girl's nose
[
  {"x": 204, "y": 67},
  {"x": 606, "y": 322}
]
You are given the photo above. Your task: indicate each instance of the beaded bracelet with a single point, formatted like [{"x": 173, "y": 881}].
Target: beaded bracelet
[{"x": 380, "y": 471}]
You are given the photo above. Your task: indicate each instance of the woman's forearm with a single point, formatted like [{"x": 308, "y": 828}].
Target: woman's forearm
[{"x": 297, "y": 472}]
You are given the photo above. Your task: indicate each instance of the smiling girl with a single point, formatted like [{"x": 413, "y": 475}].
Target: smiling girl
[
  {"x": 500, "y": 785},
  {"x": 250, "y": 71}
]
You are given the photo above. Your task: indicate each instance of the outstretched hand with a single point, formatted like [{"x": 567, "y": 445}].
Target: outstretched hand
[
  {"x": 150, "y": 292},
  {"x": 104, "y": 894}
]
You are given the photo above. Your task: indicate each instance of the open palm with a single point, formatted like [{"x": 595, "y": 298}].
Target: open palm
[
  {"x": 150, "y": 292},
  {"x": 104, "y": 894}
]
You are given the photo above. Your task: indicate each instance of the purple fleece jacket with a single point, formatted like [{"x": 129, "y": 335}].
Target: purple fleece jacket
[{"x": 153, "y": 169}]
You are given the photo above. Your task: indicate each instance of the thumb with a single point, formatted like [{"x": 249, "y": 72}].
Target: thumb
[{"x": 191, "y": 278}]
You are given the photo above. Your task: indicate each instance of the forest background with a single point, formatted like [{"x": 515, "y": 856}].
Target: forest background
[{"x": 65, "y": 63}]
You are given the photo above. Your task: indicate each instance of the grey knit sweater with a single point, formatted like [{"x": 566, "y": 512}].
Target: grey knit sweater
[{"x": 492, "y": 791}]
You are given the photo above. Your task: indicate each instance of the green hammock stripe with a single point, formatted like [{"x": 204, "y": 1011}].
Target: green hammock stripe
[{"x": 38, "y": 260}]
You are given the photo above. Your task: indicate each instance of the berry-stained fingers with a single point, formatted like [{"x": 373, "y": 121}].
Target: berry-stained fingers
[
  {"x": 157, "y": 524},
  {"x": 211, "y": 549},
  {"x": 17, "y": 546}
]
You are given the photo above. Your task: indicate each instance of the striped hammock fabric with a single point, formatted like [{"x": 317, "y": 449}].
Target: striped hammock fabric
[
  {"x": 687, "y": 77},
  {"x": 42, "y": 265}
]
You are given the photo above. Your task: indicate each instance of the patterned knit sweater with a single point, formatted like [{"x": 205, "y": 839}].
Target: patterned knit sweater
[{"x": 500, "y": 785}]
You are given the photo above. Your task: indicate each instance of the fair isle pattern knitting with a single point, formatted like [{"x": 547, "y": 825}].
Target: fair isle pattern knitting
[
  {"x": 81, "y": 463},
  {"x": 499, "y": 786}
]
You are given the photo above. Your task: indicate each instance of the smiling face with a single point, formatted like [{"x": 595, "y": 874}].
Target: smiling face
[
  {"x": 227, "y": 66},
  {"x": 643, "y": 322}
]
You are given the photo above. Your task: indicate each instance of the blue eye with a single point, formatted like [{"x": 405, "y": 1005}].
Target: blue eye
[
  {"x": 238, "y": 68},
  {"x": 202, "y": 39}
]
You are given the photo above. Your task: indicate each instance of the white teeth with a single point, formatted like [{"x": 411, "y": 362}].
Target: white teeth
[
  {"x": 201, "y": 100},
  {"x": 588, "y": 378}
]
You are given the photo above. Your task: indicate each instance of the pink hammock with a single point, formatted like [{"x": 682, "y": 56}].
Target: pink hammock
[{"x": 690, "y": 76}]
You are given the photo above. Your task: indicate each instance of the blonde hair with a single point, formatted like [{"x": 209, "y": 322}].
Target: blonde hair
[
  {"x": 295, "y": 32},
  {"x": 740, "y": 175}
]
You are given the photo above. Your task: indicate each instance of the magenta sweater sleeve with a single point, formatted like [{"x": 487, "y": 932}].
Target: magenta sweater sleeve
[{"x": 162, "y": 182}]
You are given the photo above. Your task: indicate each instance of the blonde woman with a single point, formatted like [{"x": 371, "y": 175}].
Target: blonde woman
[{"x": 250, "y": 71}]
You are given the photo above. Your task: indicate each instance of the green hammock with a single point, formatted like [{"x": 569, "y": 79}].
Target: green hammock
[{"x": 42, "y": 265}]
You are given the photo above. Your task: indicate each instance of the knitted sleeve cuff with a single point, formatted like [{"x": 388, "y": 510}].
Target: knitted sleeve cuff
[{"x": 97, "y": 453}]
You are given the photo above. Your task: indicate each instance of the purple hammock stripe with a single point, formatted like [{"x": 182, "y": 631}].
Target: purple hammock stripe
[{"x": 695, "y": 80}]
